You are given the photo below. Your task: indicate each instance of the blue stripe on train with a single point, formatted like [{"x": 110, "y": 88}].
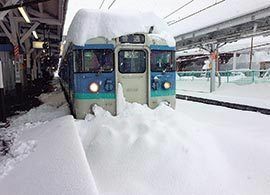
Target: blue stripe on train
[
  {"x": 106, "y": 81},
  {"x": 162, "y": 48},
  {"x": 95, "y": 46}
]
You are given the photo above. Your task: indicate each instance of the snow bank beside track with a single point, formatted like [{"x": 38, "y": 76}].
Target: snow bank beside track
[
  {"x": 56, "y": 166},
  {"x": 144, "y": 151}
]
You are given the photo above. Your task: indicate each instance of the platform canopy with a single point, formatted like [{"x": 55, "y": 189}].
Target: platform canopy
[{"x": 46, "y": 19}]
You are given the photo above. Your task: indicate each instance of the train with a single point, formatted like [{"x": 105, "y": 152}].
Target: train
[{"x": 143, "y": 64}]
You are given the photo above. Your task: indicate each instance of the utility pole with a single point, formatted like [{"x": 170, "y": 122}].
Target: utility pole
[
  {"x": 251, "y": 53},
  {"x": 213, "y": 60},
  {"x": 234, "y": 60},
  {"x": 251, "y": 47},
  {"x": 2, "y": 100}
]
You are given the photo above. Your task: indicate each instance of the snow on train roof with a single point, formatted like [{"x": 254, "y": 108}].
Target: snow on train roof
[{"x": 88, "y": 24}]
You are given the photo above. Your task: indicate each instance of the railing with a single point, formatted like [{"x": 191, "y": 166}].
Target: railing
[{"x": 199, "y": 81}]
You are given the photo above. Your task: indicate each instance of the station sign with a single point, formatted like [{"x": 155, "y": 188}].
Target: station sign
[{"x": 134, "y": 38}]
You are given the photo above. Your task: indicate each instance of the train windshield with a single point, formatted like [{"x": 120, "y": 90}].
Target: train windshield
[
  {"x": 132, "y": 61},
  {"x": 162, "y": 61},
  {"x": 100, "y": 60}
]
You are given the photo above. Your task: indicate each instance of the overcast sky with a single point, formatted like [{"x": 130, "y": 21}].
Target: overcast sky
[{"x": 221, "y": 12}]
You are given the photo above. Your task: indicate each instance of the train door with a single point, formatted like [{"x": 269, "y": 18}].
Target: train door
[{"x": 132, "y": 72}]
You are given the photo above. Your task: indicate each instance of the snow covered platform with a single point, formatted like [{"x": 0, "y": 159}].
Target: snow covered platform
[
  {"x": 255, "y": 95},
  {"x": 45, "y": 154},
  {"x": 224, "y": 104},
  {"x": 56, "y": 163}
]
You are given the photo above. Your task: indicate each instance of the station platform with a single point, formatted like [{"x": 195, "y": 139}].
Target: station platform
[
  {"x": 256, "y": 95},
  {"x": 56, "y": 165},
  {"x": 24, "y": 100}
]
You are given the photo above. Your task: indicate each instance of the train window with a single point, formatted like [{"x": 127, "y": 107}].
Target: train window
[
  {"x": 162, "y": 61},
  {"x": 100, "y": 60},
  {"x": 132, "y": 61},
  {"x": 78, "y": 60}
]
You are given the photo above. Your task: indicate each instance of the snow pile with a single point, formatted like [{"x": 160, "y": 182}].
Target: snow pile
[
  {"x": 18, "y": 152},
  {"x": 45, "y": 155},
  {"x": 121, "y": 103},
  {"x": 57, "y": 166},
  {"x": 54, "y": 106},
  {"x": 145, "y": 151},
  {"x": 88, "y": 24}
]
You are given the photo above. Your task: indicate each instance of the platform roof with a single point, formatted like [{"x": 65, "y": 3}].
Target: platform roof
[
  {"x": 249, "y": 25},
  {"x": 47, "y": 19}
]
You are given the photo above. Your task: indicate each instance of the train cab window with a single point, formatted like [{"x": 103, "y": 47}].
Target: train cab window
[
  {"x": 132, "y": 61},
  {"x": 100, "y": 60},
  {"x": 162, "y": 61}
]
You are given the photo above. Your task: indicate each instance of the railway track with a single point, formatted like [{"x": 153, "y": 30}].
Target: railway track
[{"x": 224, "y": 104}]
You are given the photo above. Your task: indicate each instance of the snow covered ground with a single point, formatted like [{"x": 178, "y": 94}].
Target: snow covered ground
[
  {"x": 256, "y": 94},
  {"x": 46, "y": 155},
  {"x": 195, "y": 149}
]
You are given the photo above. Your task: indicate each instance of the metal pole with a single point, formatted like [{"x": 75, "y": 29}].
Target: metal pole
[
  {"x": 213, "y": 70},
  {"x": 234, "y": 61},
  {"x": 2, "y": 100},
  {"x": 251, "y": 53},
  {"x": 217, "y": 66}
]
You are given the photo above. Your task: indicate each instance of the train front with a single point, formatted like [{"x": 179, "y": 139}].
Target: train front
[{"x": 94, "y": 79}]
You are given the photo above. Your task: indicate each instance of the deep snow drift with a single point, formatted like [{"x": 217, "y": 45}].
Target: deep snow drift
[
  {"x": 111, "y": 24},
  {"x": 56, "y": 166},
  {"x": 162, "y": 151},
  {"x": 54, "y": 106},
  {"x": 196, "y": 149}
]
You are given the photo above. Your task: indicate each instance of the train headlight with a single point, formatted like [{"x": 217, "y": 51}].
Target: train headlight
[
  {"x": 167, "y": 85},
  {"x": 94, "y": 87}
]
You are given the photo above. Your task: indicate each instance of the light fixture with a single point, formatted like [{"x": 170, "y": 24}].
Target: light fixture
[
  {"x": 35, "y": 34},
  {"x": 94, "y": 87},
  {"x": 24, "y": 15},
  {"x": 38, "y": 45},
  {"x": 167, "y": 85}
]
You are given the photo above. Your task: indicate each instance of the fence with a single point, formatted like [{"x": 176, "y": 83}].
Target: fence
[{"x": 199, "y": 81}]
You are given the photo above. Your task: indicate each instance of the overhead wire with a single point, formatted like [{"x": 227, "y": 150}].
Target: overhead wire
[
  {"x": 101, "y": 4},
  {"x": 197, "y": 12},
  {"x": 183, "y": 6},
  {"x": 111, "y": 4}
]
